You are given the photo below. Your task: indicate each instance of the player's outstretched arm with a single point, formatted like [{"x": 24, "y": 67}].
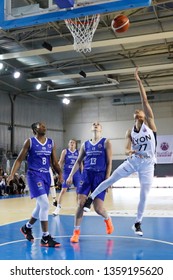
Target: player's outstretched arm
[{"x": 145, "y": 104}]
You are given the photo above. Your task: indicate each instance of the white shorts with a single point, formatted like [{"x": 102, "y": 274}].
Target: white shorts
[{"x": 143, "y": 166}]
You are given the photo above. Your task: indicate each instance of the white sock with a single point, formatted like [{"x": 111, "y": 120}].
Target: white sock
[
  {"x": 45, "y": 233},
  {"x": 28, "y": 225}
]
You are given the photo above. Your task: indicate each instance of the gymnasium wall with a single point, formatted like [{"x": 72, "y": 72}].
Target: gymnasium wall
[
  {"x": 74, "y": 121},
  {"x": 26, "y": 111}
]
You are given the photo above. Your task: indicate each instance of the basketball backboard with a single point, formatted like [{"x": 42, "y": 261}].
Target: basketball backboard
[{"x": 21, "y": 13}]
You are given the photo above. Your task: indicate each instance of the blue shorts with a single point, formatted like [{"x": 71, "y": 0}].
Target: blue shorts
[
  {"x": 76, "y": 180},
  {"x": 38, "y": 182},
  {"x": 90, "y": 181}
]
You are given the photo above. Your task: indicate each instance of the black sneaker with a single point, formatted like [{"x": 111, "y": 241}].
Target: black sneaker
[
  {"x": 48, "y": 241},
  {"x": 27, "y": 232},
  {"x": 137, "y": 228},
  {"x": 87, "y": 204},
  {"x": 55, "y": 203}
]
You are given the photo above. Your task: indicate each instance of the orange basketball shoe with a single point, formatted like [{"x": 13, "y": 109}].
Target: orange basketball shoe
[
  {"x": 109, "y": 226},
  {"x": 75, "y": 237}
]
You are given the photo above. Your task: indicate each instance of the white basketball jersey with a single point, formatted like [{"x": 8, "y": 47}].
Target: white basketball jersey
[{"x": 144, "y": 142}]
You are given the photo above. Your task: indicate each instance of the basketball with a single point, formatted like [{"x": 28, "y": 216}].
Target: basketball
[{"x": 120, "y": 23}]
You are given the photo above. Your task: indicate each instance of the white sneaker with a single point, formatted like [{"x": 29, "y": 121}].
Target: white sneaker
[{"x": 57, "y": 210}]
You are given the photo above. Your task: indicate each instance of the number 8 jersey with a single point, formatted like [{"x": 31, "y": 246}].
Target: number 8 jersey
[{"x": 39, "y": 155}]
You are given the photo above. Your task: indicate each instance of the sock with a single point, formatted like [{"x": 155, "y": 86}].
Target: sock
[
  {"x": 28, "y": 225},
  {"x": 45, "y": 233},
  {"x": 76, "y": 227}
]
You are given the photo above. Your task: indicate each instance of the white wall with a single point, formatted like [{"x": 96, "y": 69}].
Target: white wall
[{"x": 79, "y": 115}]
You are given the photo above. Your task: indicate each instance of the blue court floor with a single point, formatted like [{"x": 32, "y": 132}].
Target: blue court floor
[{"x": 95, "y": 244}]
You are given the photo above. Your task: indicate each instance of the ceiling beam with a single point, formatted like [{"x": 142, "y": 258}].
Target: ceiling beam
[
  {"x": 99, "y": 44},
  {"x": 142, "y": 69},
  {"x": 119, "y": 91}
]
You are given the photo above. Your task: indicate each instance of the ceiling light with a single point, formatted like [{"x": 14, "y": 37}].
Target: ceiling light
[
  {"x": 47, "y": 46},
  {"x": 1, "y": 65},
  {"x": 38, "y": 86},
  {"x": 82, "y": 73},
  {"x": 66, "y": 101},
  {"x": 16, "y": 74}
]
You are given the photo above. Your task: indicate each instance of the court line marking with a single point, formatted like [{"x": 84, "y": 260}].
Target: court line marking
[{"x": 101, "y": 236}]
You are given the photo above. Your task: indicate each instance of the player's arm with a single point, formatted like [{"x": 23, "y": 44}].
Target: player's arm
[
  {"x": 108, "y": 146},
  {"x": 55, "y": 164},
  {"x": 62, "y": 158},
  {"x": 128, "y": 143},
  {"x": 145, "y": 104},
  {"x": 81, "y": 167},
  {"x": 18, "y": 161}
]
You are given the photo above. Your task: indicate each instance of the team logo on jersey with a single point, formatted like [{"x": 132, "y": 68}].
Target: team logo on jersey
[
  {"x": 39, "y": 184},
  {"x": 144, "y": 130},
  {"x": 164, "y": 146},
  {"x": 99, "y": 146},
  {"x": 49, "y": 146}
]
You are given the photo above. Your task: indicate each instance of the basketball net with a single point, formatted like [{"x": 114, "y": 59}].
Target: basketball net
[{"x": 83, "y": 31}]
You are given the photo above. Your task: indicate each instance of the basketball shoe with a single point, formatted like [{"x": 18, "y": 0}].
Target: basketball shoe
[
  {"x": 75, "y": 236},
  {"x": 137, "y": 228},
  {"x": 48, "y": 241},
  {"x": 55, "y": 203},
  {"x": 27, "y": 232},
  {"x": 109, "y": 226},
  {"x": 87, "y": 204}
]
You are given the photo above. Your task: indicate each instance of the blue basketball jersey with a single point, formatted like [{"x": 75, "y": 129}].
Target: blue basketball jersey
[
  {"x": 70, "y": 159},
  {"x": 39, "y": 155},
  {"x": 95, "y": 158}
]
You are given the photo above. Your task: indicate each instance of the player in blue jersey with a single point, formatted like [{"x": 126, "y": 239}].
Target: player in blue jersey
[
  {"x": 67, "y": 160},
  {"x": 140, "y": 149},
  {"x": 96, "y": 155},
  {"x": 41, "y": 153}
]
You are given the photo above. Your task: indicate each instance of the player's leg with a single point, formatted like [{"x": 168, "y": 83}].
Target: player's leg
[
  {"x": 78, "y": 218},
  {"x": 100, "y": 210},
  {"x": 124, "y": 170},
  {"x": 46, "y": 240},
  {"x": 61, "y": 195},
  {"x": 83, "y": 192},
  {"x": 146, "y": 181}
]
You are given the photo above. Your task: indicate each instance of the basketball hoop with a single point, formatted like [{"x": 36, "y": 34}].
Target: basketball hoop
[{"x": 83, "y": 31}]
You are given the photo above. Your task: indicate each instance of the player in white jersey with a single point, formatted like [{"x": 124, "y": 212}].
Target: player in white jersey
[{"x": 140, "y": 148}]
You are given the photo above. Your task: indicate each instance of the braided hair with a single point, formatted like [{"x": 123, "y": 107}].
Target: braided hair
[{"x": 35, "y": 127}]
